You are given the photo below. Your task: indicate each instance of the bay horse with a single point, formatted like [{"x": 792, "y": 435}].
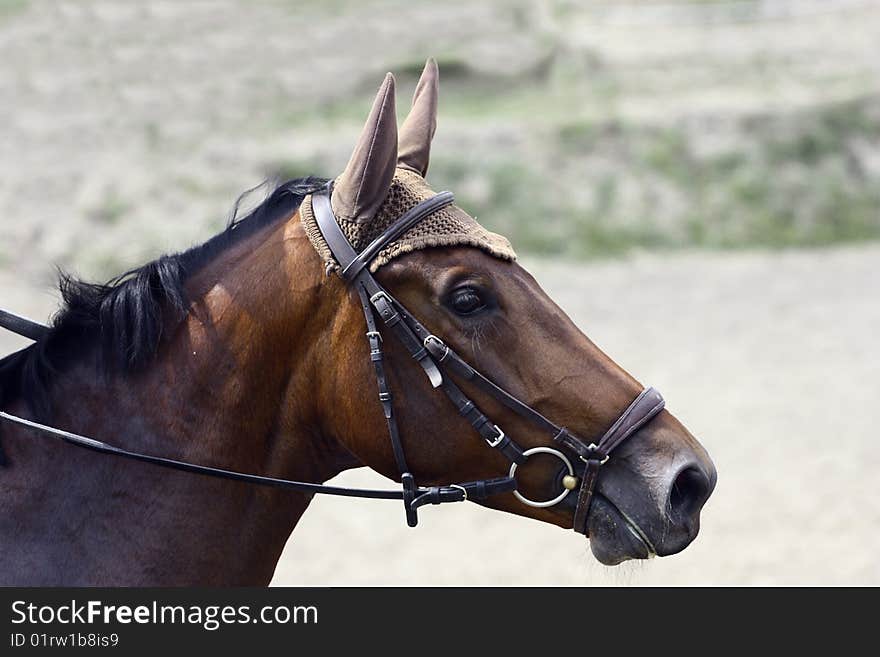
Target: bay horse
[{"x": 247, "y": 353}]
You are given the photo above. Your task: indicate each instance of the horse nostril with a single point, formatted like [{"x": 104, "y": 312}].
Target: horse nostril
[{"x": 689, "y": 492}]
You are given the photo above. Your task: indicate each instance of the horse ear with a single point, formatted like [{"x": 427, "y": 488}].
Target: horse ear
[
  {"x": 418, "y": 129},
  {"x": 360, "y": 190}
]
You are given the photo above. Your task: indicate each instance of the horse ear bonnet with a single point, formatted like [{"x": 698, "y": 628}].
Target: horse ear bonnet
[{"x": 380, "y": 184}]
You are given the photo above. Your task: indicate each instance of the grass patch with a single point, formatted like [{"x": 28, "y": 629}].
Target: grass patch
[
  {"x": 289, "y": 169},
  {"x": 111, "y": 209},
  {"x": 9, "y": 8},
  {"x": 598, "y": 186}
]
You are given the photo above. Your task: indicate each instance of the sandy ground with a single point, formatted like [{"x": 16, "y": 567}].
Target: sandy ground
[{"x": 770, "y": 359}]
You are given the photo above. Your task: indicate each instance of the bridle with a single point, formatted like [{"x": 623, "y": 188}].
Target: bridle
[
  {"x": 438, "y": 360},
  {"x": 436, "y": 357}
]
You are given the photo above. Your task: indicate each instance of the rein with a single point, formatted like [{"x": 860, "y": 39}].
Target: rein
[
  {"x": 437, "y": 359},
  {"x": 426, "y": 495},
  {"x": 23, "y": 327}
]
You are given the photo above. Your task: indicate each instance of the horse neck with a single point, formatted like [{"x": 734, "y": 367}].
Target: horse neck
[{"x": 229, "y": 388}]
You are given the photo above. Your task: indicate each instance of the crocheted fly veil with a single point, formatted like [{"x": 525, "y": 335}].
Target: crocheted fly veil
[
  {"x": 384, "y": 178},
  {"x": 448, "y": 226}
]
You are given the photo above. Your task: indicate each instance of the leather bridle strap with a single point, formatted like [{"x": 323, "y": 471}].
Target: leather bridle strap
[
  {"x": 471, "y": 490},
  {"x": 345, "y": 254},
  {"x": 398, "y": 321},
  {"x": 23, "y": 327},
  {"x": 648, "y": 404},
  {"x": 447, "y": 357},
  {"x": 377, "y": 357},
  {"x": 402, "y": 224}
]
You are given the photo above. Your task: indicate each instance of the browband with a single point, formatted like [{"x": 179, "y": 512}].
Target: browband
[{"x": 399, "y": 227}]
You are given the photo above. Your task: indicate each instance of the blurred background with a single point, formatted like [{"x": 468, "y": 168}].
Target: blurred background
[{"x": 715, "y": 163}]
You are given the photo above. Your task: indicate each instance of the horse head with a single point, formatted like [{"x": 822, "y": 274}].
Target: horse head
[{"x": 463, "y": 283}]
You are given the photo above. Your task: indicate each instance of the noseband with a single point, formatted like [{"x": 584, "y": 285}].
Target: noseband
[{"x": 438, "y": 360}]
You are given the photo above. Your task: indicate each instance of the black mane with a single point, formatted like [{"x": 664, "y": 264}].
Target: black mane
[{"x": 124, "y": 318}]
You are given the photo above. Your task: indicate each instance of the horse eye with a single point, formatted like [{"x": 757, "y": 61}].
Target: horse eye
[{"x": 466, "y": 301}]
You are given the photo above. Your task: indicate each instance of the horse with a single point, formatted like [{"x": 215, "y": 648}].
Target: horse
[{"x": 247, "y": 353}]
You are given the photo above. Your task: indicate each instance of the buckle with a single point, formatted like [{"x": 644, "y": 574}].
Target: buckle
[
  {"x": 462, "y": 489},
  {"x": 439, "y": 343},
  {"x": 382, "y": 302},
  {"x": 381, "y": 295},
  {"x": 374, "y": 334},
  {"x": 497, "y": 441}
]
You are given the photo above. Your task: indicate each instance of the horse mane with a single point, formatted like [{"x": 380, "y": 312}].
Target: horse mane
[{"x": 125, "y": 317}]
